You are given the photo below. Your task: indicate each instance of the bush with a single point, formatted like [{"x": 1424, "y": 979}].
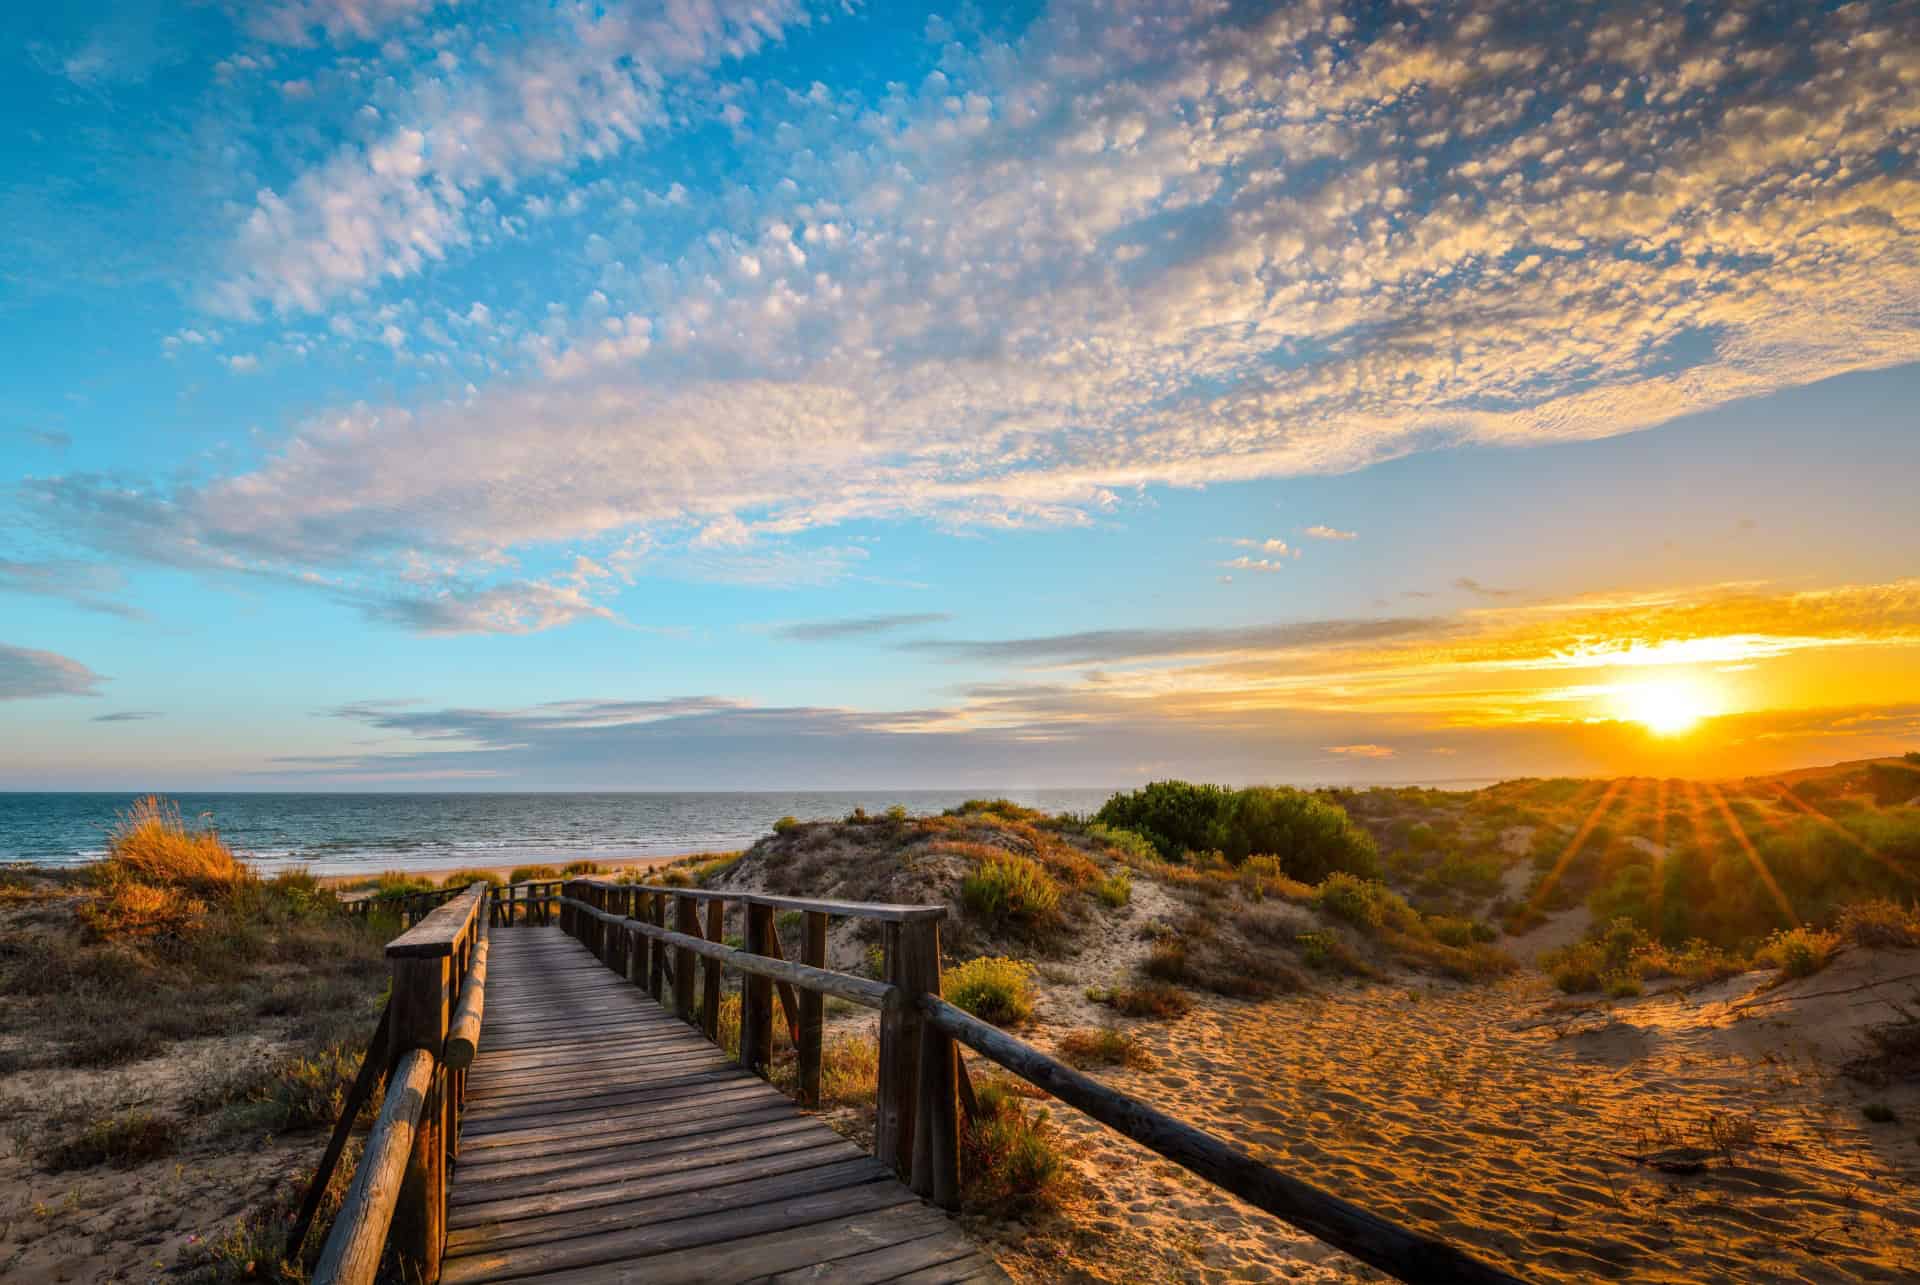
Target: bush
[
  {"x": 1879, "y": 921},
  {"x": 1008, "y": 1163},
  {"x": 1176, "y": 817},
  {"x": 1009, "y": 888},
  {"x": 1262, "y": 877},
  {"x": 1799, "y": 952},
  {"x": 1116, "y": 890},
  {"x": 1365, "y": 903},
  {"x": 1124, "y": 841},
  {"x": 1005, "y": 809},
  {"x": 993, "y": 988},
  {"x": 1102, "y": 1046},
  {"x": 583, "y": 868},
  {"x": 786, "y": 825},
  {"x": 1309, "y": 836},
  {"x": 303, "y": 1092}
]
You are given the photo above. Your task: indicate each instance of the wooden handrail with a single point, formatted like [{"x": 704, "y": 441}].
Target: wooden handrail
[
  {"x": 885, "y": 912},
  {"x": 1388, "y": 1246},
  {"x": 353, "y": 1251},
  {"x": 463, "y": 1035},
  {"x": 399, "y": 1187},
  {"x": 859, "y": 990}
]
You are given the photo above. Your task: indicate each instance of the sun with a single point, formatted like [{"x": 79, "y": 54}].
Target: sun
[{"x": 1666, "y": 706}]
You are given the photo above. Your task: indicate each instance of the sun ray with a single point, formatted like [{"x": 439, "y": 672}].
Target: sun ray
[
  {"x": 1793, "y": 800},
  {"x": 1739, "y": 834},
  {"x": 1579, "y": 838}
]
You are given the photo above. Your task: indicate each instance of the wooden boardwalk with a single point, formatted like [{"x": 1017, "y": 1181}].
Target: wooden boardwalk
[{"x": 605, "y": 1140}]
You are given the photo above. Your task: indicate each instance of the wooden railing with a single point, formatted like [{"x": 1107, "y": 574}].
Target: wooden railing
[
  {"x": 923, "y": 1085},
  {"x": 427, "y": 1040}
]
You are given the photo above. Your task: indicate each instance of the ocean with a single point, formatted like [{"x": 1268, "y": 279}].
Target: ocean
[{"x": 336, "y": 834}]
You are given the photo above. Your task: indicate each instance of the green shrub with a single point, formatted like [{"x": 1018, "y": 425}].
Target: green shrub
[
  {"x": 1799, "y": 952},
  {"x": 1365, "y": 903},
  {"x": 993, "y": 988},
  {"x": 463, "y": 878},
  {"x": 786, "y": 825},
  {"x": 1008, "y": 888},
  {"x": 1116, "y": 889},
  {"x": 1879, "y": 921},
  {"x": 583, "y": 868},
  {"x": 1008, "y": 1164},
  {"x": 1123, "y": 841},
  {"x": 1174, "y": 816},
  {"x": 1309, "y": 836},
  {"x": 1005, "y": 809}
]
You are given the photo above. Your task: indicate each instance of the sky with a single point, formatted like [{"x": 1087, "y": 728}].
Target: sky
[{"x": 735, "y": 394}]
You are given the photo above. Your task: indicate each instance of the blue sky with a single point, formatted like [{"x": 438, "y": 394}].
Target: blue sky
[{"x": 735, "y": 394}]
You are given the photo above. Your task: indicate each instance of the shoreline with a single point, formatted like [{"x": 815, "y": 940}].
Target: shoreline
[{"x": 615, "y": 864}]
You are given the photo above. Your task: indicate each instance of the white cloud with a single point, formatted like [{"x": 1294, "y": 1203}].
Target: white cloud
[{"x": 1317, "y": 532}]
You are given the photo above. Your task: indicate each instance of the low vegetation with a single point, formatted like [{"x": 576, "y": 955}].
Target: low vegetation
[
  {"x": 992, "y": 988},
  {"x": 1010, "y": 1165},
  {"x": 1101, "y": 1046},
  {"x": 1308, "y": 836}
]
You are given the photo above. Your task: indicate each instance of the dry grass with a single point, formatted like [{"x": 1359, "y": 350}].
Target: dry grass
[
  {"x": 1009, "y": 1164},
  {"x": 124, "y": 1140},
  {"x": 1152, "y": 999},
  {"x": 151, "y": 844},
  {"x": 993, "y": 988},
  {"x": 1101, "y": 1046}
]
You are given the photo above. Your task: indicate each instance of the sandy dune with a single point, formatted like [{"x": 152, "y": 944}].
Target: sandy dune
[{"x": 1500, "y": 1119}]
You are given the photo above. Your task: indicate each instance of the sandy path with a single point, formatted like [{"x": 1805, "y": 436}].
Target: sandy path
[{"x": 1442, "y": 1109}]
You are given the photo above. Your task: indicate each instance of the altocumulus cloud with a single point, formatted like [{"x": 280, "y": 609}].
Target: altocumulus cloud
[{"x": 1204, "y": 244}]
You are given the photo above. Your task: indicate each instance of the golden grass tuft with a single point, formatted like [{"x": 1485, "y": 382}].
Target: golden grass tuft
[
  {"x": 1101, "y": 1046},
  {"x": 151, "y": 844},
  {"x": 993, "y": 988}
]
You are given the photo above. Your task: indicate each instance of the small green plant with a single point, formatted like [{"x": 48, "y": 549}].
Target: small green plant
[
  {"x": 1622, "y": 985},
  {"x": 1367, "y": 904},
  {"x": 530, "y": 874},
  {"x": 1116, "y": 890},
  {"x": 1008, "y": 1163},
  {"x": 897, "y": 813},
  {"x": 583, "y": 868},
  {"x": 1879, "y": 921},
  {"x": 1124, "y": 841},
  {"x": 1006, "y": 888},
  {"x": 786, "y": 825},
  {"x": 464, "y": 878},
  {"x": 993, "y": 988},
  {"x": 1315, "y": 950},
  {"x": 1799, "y": 952}
]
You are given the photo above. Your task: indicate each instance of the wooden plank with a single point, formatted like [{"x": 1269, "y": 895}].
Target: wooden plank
[
  {"x": 753, "y": 1258},
  {"x": 756, "y": 1000},
  {"x": 711, "y": 985},
  {"x": 646, "y": 1240},
  {"x": 662, "y": 1137},
  {"x": 702, "y": 1201},
  {"x": 679, "y": 1174},
  {"x": 893, "y": 1262}
]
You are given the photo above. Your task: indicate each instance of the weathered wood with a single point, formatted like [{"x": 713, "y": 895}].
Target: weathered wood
[
  {"x": 756, "y": 995},
  {"x": 859, "y": 990},
  {"x": 373, "y": 1069},
  {"x": 686, "y": 921},
  {"x": 1368, "y": 1237},
  {"x": 359, "y": 1237},
  {"x": 912, "y": 952},
  {"x": 439, "y": 930},
  {"x": 420, "y": 1017},
  {"x": 789, "y": 1005},
  {"x": 657, "y": 918},
  {"x": 463, "y": 1033},
  {"x": 710, "y": 984},
  {"x": 936, "y": 1130},
  {"x": 886, "y": 912},
  {"x": 809, "y": 1037}
]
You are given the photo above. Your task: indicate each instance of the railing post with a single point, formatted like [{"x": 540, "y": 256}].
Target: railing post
[
  {"x": 420, "y": 1016},
  {"x": 913, "y": 968},
  {"x": 686, "y": 919},
  {"x": 936, "y": 1128},
  {"x": 813, "y": 952},
  {"x": 710, "y": 987},
  {"x": 657, "y": 964},
  {"x": 756, "y": 995}
]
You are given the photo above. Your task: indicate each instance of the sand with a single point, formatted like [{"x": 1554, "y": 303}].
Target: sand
[{"x": 1521, "y": 1128}]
